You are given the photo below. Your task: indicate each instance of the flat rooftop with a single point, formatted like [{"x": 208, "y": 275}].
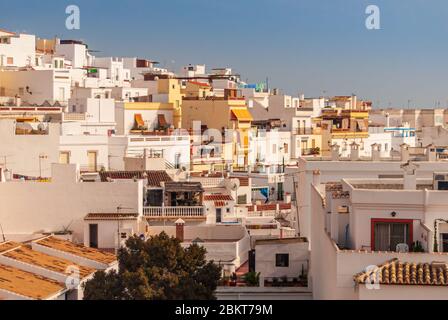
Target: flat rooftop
[
  {"x": 28, "y": 284},
  {"x": 77, "y": 250}
]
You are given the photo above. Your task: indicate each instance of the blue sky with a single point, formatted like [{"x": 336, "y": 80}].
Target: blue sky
[{"x": 307, "y": 46}]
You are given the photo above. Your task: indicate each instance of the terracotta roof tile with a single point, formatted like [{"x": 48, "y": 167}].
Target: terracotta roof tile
[
  {"x": 77, "y": 250},
  {"x": 154, "y": 177},
  {"x": 218, "y": 197},
  {"x": 28, "y": 284},
  {"x": 395, "y": 272},
  {"x": 244, "y": 181},
  {"x": 27, "y": 255},
  {"x": 111, "y": 216},
  {"x": 220, "y": 204}
]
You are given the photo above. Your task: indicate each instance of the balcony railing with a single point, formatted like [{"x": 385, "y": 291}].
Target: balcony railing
[
  {"x": 173, "y": 212},
  {"x": 310, "y": 151}
]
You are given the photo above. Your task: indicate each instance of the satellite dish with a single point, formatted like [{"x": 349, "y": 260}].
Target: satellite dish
[{"x": 234, "y": 184}]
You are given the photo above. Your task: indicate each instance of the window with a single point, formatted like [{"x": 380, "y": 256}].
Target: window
[
  {"x": 62, "y": 94},
  {"x": 386, "y": 147},
  {"x": 282, "y": 260},
  {"x": 10, "y": 60},
  {"x": 444, "y": 241},
  {"x": 388, "y": 233},
  {"x": 286, "y": 147},
  {"x": 274, "y": 148},
  {"x": 64, "y": 157},
  {"x": 242, "y": 199}
]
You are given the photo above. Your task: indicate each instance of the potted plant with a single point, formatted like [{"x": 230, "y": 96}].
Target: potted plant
[
  {"x": 233, "y": 280},
  {"x": 417, "y": 247},
  {"x": 284, "y": 281},
  {"x": 225, "y": 281},
  {"x": 252, "y": 279}
]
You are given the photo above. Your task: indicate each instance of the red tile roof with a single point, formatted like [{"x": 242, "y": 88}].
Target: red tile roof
[
  {"x": 218, "y": 197},
  {"x": 220, "y": 204},
  {"x": 201, "y": 84},
  {"x": 111, "y": 216},
  {"x": 154, "y": 177},
  {"x": 244, "y": 181}
]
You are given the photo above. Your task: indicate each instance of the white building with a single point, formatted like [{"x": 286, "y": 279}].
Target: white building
[
  {"x": 29, "y": 148},
  {"x": 386, "y": 234},
  {"x": 30, "y": 208},
  {"x": 17, "y": 50},
  {"x": 37, "y": 86},
  {"x": 327, "y": 170}
]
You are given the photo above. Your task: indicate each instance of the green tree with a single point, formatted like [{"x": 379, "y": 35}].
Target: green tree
[{"x": 157, "y": 269}]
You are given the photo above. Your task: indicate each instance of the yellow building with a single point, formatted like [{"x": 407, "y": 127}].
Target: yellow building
[
  {"x": 171, "y": 88},
  {"x": 220, "y": 113},
  {"x": 336, "y": 124}
]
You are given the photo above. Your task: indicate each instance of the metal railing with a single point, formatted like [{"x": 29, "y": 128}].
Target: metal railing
[{"x": 174, "y": 212}]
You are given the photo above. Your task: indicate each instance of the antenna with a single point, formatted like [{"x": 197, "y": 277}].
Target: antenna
[
  {"x": 234, "y": 184},
  {"x": 3, "y": 234}
]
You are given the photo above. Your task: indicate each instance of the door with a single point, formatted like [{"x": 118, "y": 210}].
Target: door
[
  {"x": 93, "y": 235},
  {"x": 387, "y": 234},
  {"x": 64, "y": 157},
  {"x": 92, "y": 160},
  {"x": 218, "y": 215}
]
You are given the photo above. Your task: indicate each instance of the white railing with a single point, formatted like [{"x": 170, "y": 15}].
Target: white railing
[
  {"x": 173, "y": 212},
  {"x": 271, "y": 213}
]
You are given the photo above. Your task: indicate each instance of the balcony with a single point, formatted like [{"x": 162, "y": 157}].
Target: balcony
[
  {"x": 174, "y": 213},
  {"x": 310, "y": 152}
]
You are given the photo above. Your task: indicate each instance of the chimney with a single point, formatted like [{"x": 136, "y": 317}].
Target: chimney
[
  {"x": 354, "y": 151},
  {"x": 404, "y": 152},
  {"x": 18, "y": 101},
  {"x": 431, "y": 153},
  {"x": 180, "y": 226},
  {"x": 335, "y": 152},
  {"x": 354, "y": 102},
  {"x": 410, "y": 176},
  {"x": 376, "y": 152},
  {"x": 316, "y": 177},
  {"x": 387, "y": 120}
]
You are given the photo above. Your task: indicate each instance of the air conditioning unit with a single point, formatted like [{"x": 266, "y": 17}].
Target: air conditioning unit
[{"x": 440, "y": 180}]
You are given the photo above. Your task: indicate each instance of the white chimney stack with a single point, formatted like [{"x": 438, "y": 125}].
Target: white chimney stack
[
  {"x": 431, "y": 153},
  {"x": 354, "y": 151},
  {"x": 404, "y": 152},
  {"x": 376, "y": 152},
  {"x": 335, "y": 152},
  {"x": 316, "y": 177},
  {"x": 410, "y": 176}
]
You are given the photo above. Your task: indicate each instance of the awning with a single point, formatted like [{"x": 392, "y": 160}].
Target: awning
[
  {"x": 139, "y": 120},
  {"x": 242, "y": 115},
  {"x": 362, "y": 125},
  {"x": 162, "y": 120},
  {"x": 183, "y": 187}
]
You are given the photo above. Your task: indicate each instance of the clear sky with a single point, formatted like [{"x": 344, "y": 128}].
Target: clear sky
[{"x": 306, "y": 46}]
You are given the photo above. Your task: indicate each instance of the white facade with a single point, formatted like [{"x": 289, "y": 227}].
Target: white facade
[
  {"x": 174, "y": 149},
  {"x": 27, "y": 208},
  {"x": 17, "y": 50},
  {"x": 30, "y": 154},
  {"x": 37, "y": 86}
]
